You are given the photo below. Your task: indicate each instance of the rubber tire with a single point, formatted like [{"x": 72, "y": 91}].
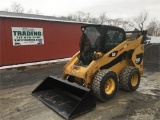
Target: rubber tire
[
  {"x": 98, "y": 85},
  {"x": 125, "y": 79}
]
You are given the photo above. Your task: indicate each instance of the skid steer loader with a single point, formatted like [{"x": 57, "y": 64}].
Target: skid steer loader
[{"x": 106, "y": 62}]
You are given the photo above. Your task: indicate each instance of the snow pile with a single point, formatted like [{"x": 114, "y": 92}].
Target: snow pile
[{"x": 155, "y": 39}]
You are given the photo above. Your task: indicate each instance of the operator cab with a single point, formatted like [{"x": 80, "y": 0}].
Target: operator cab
[{"x": 97, "y": 38}]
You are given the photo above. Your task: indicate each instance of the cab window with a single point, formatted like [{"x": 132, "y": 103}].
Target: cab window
[{"x": 114, "y": 37}]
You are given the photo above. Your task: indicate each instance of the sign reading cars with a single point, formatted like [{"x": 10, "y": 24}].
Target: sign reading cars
[{"x": 27, "y": 36}]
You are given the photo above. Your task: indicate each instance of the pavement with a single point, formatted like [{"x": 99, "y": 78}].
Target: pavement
[{"x": 17, "y": 103}]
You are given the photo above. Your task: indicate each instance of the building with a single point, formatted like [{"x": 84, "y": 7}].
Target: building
[{"x": 26, "y": 38}]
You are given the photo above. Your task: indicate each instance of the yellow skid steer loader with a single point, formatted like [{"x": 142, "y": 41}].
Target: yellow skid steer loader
[{"x": 106, "y": 62}]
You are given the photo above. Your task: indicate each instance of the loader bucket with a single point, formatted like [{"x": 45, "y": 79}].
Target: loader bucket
[{"x": 67, "y": 99}]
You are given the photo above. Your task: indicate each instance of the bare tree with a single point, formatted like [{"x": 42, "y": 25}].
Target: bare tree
[
  {"x": 71, "y": 17},
  {"x": 7, "y": 10},
  {"x": 125, "y": 25},
  {"x": 154, "y": 28},
  {"x": 87, "y": 17},
  {"x": 30, "y": 11},
  {"x": 95, "y": 20},
  {"x": 116, "y": 22},
  {"x": 109, "y": 21},
  {"x": 140, "y": 20},
  {"x": 17, "y": 8},
  {"x": 37, "y": 12},
  {"x": 80, "y": 16},
  {"x": 119, "y": 22},
  {"x": 102, "y": 18},
  {"x": 158, "y": 29}
]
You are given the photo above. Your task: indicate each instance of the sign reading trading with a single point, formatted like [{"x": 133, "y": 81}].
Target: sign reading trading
[{"x": 27, "y": 36}]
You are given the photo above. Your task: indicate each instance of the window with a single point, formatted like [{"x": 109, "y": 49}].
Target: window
[
  {"x": 114, "y": 36},
  {"x": 92, "y": 33}
]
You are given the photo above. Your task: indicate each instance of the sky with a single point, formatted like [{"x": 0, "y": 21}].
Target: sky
[{"x": 113, "y": 8}]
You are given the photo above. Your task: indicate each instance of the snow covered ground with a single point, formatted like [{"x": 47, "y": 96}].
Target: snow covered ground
[{"x": 155, "y": 39}]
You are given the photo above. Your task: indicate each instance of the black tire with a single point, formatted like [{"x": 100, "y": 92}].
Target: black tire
[
  {"x": 129, "y": 79},
  {"x": 105, "y": 85}
]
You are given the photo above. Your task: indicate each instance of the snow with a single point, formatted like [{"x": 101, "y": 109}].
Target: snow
[{"x": 155, "y": 39}]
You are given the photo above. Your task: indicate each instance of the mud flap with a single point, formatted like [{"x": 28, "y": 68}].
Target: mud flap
[{"x": 67, "y": 99}]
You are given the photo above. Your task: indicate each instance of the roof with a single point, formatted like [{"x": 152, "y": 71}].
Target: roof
[
  {"x": 108, "y": 27},
  {"x": 34, "y": 17}
]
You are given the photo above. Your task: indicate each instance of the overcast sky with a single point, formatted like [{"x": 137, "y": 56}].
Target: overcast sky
[{"x": 112, "y": 8}]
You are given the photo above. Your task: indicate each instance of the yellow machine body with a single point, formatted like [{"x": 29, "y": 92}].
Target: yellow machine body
[{"x": 86, "y": 73}]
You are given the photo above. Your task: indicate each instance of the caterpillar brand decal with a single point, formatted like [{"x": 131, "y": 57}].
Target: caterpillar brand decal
[
  {"x": 113, "y": 54},
  {"x": 139, "y": 58}
]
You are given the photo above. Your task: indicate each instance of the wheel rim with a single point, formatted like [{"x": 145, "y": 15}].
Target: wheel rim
[
  {"x": 134, "y": 79},
  {"x": 109, "y": 86}
]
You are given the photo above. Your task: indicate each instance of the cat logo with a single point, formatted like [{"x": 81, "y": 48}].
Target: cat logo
[{"x": 113, "y": 54}]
